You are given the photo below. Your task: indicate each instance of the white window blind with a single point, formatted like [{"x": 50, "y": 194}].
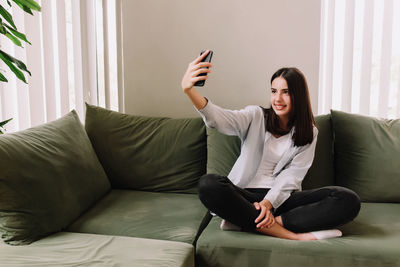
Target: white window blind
[
  {"x": 73, "y": 59},
  {"x": 360, "y": 57}
]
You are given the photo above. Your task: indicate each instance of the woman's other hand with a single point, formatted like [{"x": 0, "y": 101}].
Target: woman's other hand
[
  {"x": 195, "y": 68},
  {"x": 265, "y": 219}
]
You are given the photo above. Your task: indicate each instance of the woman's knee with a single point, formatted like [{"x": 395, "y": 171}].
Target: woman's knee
[
  {"x": 209, "y": 183},
  {"x": 349, "y": 200},
  {"x": 354, "y": 203},
  {"x": 206, "y": 182}
]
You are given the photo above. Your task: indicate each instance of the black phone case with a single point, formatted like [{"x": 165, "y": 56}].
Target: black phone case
[{"x": 206, "y": 59}]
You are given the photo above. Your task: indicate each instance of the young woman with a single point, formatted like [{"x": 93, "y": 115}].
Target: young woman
[{"x": 263, "y": 190}]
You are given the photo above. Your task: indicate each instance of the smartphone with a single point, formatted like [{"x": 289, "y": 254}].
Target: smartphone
[{"x": 206, "y": 59}]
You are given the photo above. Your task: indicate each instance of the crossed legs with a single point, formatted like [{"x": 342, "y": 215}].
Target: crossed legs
[{"x": 305, "y": 211}]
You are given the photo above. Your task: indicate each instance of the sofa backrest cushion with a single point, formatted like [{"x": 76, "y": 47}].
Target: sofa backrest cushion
[
  {"x": 148, "y": 153},
  {"x": 321, "y": 172},
  {"x": 223, "y": 150},
  {"x": 367, "y": 153},
  {"x": 49, "y": 175}
]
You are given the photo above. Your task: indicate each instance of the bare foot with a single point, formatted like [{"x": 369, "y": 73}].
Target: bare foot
[
  {"x": 278, "y": 230},
  {"x": 278, "y": 220}
]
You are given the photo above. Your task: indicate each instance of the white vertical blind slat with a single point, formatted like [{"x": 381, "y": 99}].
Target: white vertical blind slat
[
  {"x": 338, "y": 43},
  {"x": 120, "y": 61},
  {"x": 384, "y": 83},
  {"x": 347, "y": 70},
  {"x": 106, "y": 55},
  {"x": 78, "y": 70},
  {"x": 398, "y": 98},
  {"x": 49, "y": 70},
  {"x": 396, "y": 32},
  {"x": 62, "y": 56},
  {"x": 21, "y": 87},
  {"x": 88, "y": 39},
  {"x": 100, "y": 55},
  {"x": 112, "y": 54},
  {"x": 34, "y": 62},
  {"x": 365, "y": 85},
  {"x": 357, "y": 55}
]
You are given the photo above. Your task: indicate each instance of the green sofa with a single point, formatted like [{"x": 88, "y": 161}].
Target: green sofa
[{"x": 121, "y": 191}]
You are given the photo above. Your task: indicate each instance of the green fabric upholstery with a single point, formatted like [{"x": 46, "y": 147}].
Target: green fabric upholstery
[
  {"x": 321, "y": 172},
  {"x": 367, "y": 153},
  {"x": 223, "y": 150},
  {"x": 166, "y": 216},
  {"x": 371, "y": 240},
  {"x": 49, "y": 176},
  {"x": 148, "y": 153},
  {"x": 75, "y": 249}
]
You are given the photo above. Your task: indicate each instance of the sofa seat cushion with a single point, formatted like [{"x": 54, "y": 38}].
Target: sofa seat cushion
[
  {"x": 372, "y": 239},
  {"x": 166, "y": 216},
  {"x": 76, "y": 249}
]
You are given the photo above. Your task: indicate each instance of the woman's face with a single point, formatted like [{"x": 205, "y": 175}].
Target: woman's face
[{"x": 280, "y": 98}]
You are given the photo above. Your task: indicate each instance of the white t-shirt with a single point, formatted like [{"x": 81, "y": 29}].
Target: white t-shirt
[{"x": 274, "y": 148}]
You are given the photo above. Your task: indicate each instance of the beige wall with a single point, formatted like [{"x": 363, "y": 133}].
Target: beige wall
[{"x": 250, "y": 40}]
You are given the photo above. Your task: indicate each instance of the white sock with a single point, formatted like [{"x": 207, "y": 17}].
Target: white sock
[
  {"x": 325, "y": 234},
  {"x": 227, "y": 226}
]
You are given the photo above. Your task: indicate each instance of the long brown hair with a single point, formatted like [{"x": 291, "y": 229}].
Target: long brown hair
[{"x": 301, "y": 116}]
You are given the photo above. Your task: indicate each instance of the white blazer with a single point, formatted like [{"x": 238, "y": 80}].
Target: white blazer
[{"x": 249, "y": 125}]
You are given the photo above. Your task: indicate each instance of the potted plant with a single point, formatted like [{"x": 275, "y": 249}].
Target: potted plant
[{"x": 9, "y": 30}]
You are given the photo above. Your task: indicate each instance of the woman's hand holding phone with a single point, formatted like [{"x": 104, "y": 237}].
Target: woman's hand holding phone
[{"x": 195, "y": 68}]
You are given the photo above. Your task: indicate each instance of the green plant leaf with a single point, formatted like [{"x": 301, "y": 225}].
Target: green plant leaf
[
  {"x": 8, "y": 2},
  {"x": 4, "y": 122},
  {"x": 7, "y": 16},
  {"x": 29, "y": 4},
  {"x": 19, "y": 63},
  {"x": 13, "y": 39},
  {"x": 3, "y": 29},
  {"x": 14, "y": 69},
  {"x": 2, "y": 125},
  {"x": 18, "y": 34},
  {"x": 3, "y": 78},
  {"x": 24, "y": 8}
]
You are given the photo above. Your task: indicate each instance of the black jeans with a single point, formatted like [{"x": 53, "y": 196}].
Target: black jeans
[{"x": 304, "y": 211}]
